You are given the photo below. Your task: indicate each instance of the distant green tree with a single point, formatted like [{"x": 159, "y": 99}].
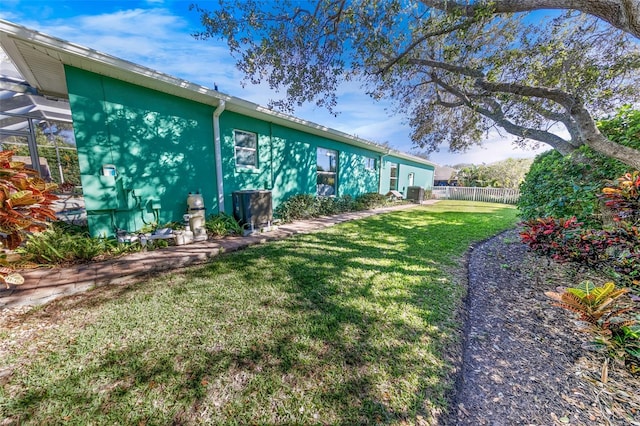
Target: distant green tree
[
  {"x": 508, "y": 173},
  {"x": 622, "y": 14}
]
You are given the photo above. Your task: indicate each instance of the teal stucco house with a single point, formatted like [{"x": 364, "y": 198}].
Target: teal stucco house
[{"x": 146, "y": 140}]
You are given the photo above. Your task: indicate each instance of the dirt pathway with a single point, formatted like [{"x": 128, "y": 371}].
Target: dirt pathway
[{"x": 524, "y": 361}]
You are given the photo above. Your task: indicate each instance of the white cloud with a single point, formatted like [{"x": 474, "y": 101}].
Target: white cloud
[{"x": 159, "y": 38}]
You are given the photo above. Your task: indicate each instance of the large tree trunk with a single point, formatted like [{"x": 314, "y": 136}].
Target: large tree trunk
[
  {"x": 622, "y": 14},
  {"x": 583, "y": 122},
  {"x": 595, "y": 140}
]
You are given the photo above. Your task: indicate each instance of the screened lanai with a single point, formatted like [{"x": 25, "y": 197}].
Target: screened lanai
[{"x": 37, "y": 128}]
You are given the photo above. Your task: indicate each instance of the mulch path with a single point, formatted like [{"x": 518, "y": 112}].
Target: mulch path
[{"x": 525, "y": 361}]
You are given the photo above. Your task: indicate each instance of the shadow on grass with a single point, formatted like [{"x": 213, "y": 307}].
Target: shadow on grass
[{"x": 346, "y": 326}]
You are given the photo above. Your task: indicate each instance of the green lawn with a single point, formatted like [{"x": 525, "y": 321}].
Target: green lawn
[{"x": 344, "y": 326}]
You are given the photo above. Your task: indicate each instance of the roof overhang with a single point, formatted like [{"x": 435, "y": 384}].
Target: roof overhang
[{"x": 41, "y": 58}]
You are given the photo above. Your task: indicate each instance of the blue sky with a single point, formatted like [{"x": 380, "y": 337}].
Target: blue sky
[{"x": 157, "y": 34}]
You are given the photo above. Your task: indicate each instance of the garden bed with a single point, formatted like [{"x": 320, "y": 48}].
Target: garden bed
[{"x": 525, "y": 361}]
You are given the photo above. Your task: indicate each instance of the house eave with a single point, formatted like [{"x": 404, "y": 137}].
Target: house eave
[{"x": 41, "y": 59}]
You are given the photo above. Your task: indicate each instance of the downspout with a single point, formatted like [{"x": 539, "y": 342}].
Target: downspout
[
  {"x": 271, "y": 154},
  {"x": 380, "y": 171},
  {"x": 218, "y": 153}
]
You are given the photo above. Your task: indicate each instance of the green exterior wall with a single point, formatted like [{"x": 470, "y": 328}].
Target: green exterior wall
[
  {"x": 423, "y": 175},
  {"x": 287, "y": 161},
  {"x": 161, "y": 145},
  {"x": 162, "y": 148}
]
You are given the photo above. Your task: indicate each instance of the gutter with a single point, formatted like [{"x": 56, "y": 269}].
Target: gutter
[
  {"x": 218, "y": 153},
  {"x": 44, "y": 47}
]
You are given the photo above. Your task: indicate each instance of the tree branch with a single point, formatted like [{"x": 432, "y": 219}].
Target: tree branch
[
  {"x": 468, "y": 71},
  {"x": 556, "y": 95},
  {"x": 452, "y": 90},
  {"x": 424, "y": 37},
  {"x": 622, "y": 14},
  {"x": 564, "y": 118},
  {"x": 592, "y": 137},
  {"x": 497, "y": 115},
  {"x": 547, "y": 113},
  {"x": 448, "y": 104}
]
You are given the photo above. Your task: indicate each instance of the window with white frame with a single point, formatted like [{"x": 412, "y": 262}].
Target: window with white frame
[
  {"x": 327, "y": 168},
  {"x": 369, "y": 163},
  {"x": 246, "y": 149},
  {"x": 393, "y": 177}
]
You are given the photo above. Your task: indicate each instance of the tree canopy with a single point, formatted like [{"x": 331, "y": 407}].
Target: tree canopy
[
  {"x": 622, "y": 14},
  {"x": 456, "y": 69}
]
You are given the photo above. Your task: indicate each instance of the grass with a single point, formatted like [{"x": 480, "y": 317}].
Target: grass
[{"x": 351, "y": 325}]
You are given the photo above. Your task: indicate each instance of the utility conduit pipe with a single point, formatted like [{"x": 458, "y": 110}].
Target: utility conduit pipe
[
  {"x": 380, "y": 167},
  {"x": 218, "y": 153}
]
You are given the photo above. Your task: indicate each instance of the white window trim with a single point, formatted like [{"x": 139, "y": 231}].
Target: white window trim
[
  {"x": 366, "y": 163},
  {"x": 242, "y": 148},
  {"x": 391, "y": 177},
  {"x": 330, "y": 173}
]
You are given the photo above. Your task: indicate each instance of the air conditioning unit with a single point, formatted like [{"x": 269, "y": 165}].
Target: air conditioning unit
[
  {"x": 415, "y": 193},
  {"x": 253, "y": 207}
]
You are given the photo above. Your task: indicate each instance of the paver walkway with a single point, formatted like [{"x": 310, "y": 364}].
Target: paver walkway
[{"x": 44, "y": 284}]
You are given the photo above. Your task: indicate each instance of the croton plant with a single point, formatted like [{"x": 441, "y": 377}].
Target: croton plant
[
  {"x": 26, "y": 202},
  {"x": 624, "y": 198}
]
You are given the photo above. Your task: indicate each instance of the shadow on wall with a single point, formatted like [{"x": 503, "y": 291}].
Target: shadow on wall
[
  {"x": 158, "y": 157},
  {"x": 286, "y": 166},
  {"x": 294, "y": 168}
]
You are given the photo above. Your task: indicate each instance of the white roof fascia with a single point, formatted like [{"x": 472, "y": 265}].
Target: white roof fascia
[{"x": 100, "y": 63}]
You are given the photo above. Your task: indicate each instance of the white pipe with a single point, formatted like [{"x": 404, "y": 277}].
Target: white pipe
[
  {"x": 218, "y": 153},
  {"x": 380, "y": 171}
]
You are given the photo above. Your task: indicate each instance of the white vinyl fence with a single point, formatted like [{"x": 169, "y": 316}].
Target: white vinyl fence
[{"x": 491, "y": 195}]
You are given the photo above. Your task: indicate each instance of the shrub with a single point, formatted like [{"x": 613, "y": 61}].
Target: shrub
[
  {"x": 328, "y": 206},
  {"x": 607, "y": 315},
  {"x": 624, "y": 199},
  {"x": 370, "y": 201},
  {"x": 345, "y": 203},
  {"x": 562, "y": 187},
  {"x": 549, "y": 236},
  {"x": 615, "y": 250},
  {"x": 65, "y": 244},
  {"x": 594, "y": 304},
  {"x": 25, "y": 199},
  {"x": 557, "y": 187},
  {"x": 325, "y": 206},
  {"x": 220, "y": 225},
  {"x": 306, "y": 206},
  {"x": 300, "y": 206}
]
